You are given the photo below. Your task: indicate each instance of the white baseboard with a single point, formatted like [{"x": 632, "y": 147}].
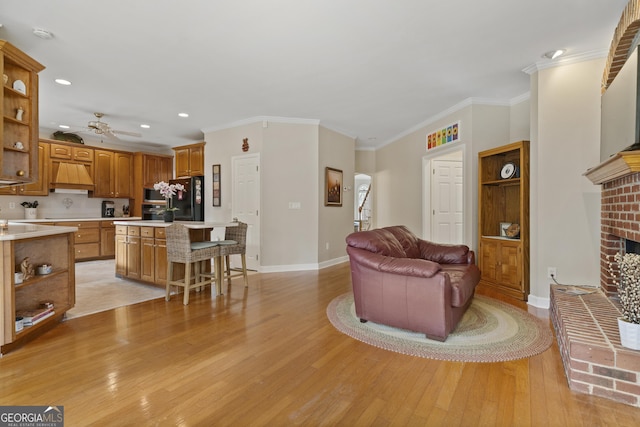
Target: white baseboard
[
  {"x": 539, "y": 302},
  {"x": 302, "y": 267}
]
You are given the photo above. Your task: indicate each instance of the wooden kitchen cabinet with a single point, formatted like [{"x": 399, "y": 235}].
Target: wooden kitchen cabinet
[
  {"x": 153, "y": 243},
  {"x": 160, "y": 257},
  {"x": 154, "y": 168},
  {"x": 147, "y": 170},
  {"x": 41, "y": 186},
  {"x": 69, "y": 152},
  {"x": 503, "y": 200},
  {"x": 87, "y": 238},
  {"x": 189, "y": 160},
  {"x": 107, "y": 239},
  {"x": 121, "y": 250},
  {"x": 128, "y": 252},
  {"x": 72, "y": 153},
  {"x": 112, "y": 174},
  {"x": 141, "y": 253},
  {"x": 19, "y": 164},
  {"x": 147, "y": 254}
]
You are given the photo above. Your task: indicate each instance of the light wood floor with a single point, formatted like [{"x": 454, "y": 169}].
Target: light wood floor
[{"x": 269, "y": 356}]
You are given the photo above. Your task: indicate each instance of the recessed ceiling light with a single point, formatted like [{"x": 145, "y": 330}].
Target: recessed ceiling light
[
  {"x": 63, "y": 127},
  {"x": 63, "y": 82},
  {"x": 553, "y": 54},
  {"x": 42, "y": 33},
  {"x": 145, "y": 126},
  {"x": 183, "y": 114}
]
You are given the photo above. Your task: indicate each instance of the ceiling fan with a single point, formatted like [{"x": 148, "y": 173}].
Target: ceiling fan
[{"x": 101, "y": 128}]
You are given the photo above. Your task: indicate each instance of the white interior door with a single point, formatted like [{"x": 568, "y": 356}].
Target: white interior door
[
  {"x": 245, "y": 203},
  {"x": 447, "y": 201}
]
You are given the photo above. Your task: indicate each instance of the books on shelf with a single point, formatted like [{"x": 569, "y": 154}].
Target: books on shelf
[{"x": 32, "y": 317}]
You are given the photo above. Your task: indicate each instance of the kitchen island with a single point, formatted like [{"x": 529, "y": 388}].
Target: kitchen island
[
  {"x": 141, "y": 248},
  {"x": 95, "y": 238},
  {"x": 55, "y": 288}
]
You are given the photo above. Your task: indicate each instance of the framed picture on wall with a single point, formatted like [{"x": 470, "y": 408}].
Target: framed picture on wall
[
  {"x": 216, "y": 186},
  {"x": 332, "y": 187}
]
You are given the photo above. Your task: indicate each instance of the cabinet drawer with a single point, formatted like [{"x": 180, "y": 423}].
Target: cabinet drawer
[
  {"x": 65, "y": 152},
  {"x": 146, "y": 231},
  {"x": 133, "y": 231},
  {"x": 160, "y": 233},
  {"x": 80, "y": 224},
  {"x": 88, "y": 235},
  {"x": 121, "y": 230},
  {"x": 87, "y": 250},
  {"x": 82, "y": 154},
  {"x": 57, "y": 151},
  {"x": 107, "y": 224}
]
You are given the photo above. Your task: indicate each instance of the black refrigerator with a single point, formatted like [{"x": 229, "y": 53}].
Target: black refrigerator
[{"x": 190, "y": 201}]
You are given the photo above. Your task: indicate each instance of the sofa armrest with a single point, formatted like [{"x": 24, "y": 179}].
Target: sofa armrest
[
  {"x": 446, "y": 254},
  {"x": 401, "y": 266}
]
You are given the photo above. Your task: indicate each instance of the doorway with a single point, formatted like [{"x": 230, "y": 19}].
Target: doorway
[
  {"x": 444, "y": 197},
  {"x": 362, "y": 215},
  {"x": 245, "y": 203}
]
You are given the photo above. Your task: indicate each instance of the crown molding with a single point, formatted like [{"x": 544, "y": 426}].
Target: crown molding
[
  {"x": 565, "y": 60},
  {"x": 457, "y": 107},
  {"x": 340, "y": 131}
]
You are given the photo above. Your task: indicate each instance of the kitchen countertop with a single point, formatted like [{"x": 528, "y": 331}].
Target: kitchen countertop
[
  {"x": 75, "y": 219},
  {"x": 17, "y": 231},
  {"x": 188, "y": 224}
]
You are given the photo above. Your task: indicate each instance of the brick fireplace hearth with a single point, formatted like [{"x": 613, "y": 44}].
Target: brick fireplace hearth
[
  {"x": 586, "y": 325},
  {"x": 594, "y": 361}
]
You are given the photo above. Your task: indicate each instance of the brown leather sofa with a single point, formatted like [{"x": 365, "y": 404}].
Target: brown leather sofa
[{"x": 403, "y": 281}]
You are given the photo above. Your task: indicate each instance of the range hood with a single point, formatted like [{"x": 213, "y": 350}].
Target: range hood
[{"x": 72, "y": 178}]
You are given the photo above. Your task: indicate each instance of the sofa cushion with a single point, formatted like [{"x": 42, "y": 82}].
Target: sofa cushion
[
  {"x": 444, "y": 254},
  {"x": 408, "y": 240},
  {"x": 378, "y": 241},
  {"x": 464, "y": 279}
]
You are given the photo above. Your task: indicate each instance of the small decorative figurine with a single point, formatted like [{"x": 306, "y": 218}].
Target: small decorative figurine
[
  {"x": 245, "y": 144},
  {"x": 19, "y": 113},
  {"x": 27, "y": 269}
]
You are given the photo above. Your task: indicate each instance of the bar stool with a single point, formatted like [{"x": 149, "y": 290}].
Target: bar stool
[
  {"x": 235, "y": 243},
  {"x": 181, "y": 250}
]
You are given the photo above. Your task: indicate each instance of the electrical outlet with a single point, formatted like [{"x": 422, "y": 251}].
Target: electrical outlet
[
  {"x": 327, "y": 245},
  {"x": 12, "y": 205},
  {"x": 551, "y": 273}
]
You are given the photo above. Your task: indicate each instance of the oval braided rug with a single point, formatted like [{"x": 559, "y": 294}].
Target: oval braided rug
[{"x": 490, "y": 331}]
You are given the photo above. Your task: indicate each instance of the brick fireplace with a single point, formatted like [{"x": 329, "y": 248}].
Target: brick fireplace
[
  {"x": 620, "y": 221},
  {"x": 586, "y": 325}
]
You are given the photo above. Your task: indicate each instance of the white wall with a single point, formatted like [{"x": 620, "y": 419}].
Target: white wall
[
  {"x": 336, "y": 151},
  {"x": 293, "y": 155},
  {"x": 398, "y": 179},
  {"x": 290, "y": 174},
  {"x": 565, "y": 211}
]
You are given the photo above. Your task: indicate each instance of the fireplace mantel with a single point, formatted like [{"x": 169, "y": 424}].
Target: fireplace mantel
[{"x": 619, "y": 165}]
